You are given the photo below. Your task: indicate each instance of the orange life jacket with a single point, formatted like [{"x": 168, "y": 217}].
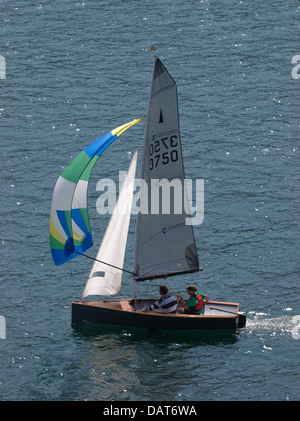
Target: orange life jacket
[{"x": 200, "y": 302}]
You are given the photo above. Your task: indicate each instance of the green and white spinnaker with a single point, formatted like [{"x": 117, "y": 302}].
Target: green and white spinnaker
[{"x": 70, "y": 231}]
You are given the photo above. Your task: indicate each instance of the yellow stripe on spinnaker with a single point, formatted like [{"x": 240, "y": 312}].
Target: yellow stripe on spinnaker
[
  {"x": 121, "y": 129},
  {"x": 55, "y": 233},
  {"x": 77, "y": 237}
]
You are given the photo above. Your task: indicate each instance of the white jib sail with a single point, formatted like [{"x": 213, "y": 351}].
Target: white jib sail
[{"x": 105, "y": 279}]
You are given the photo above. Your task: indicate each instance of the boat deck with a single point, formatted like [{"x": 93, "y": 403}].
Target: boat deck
[{"x": 212, "y": 308}]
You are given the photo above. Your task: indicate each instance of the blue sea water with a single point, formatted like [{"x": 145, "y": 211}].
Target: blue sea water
[{"x": 77, "y": 69}]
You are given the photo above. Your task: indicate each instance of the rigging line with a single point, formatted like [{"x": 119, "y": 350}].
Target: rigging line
[
  {"x": 225, "y": 311},
  {"x": 108, "y": 264},
  {"x": 171, "y": 287}
]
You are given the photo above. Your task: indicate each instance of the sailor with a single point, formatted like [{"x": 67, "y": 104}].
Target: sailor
[
  {"x": 195, "y": 302},
  {"x": 166, "y": 303}
]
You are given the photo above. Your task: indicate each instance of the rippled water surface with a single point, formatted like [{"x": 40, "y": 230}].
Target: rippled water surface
[{"x": 75, "y": 70}]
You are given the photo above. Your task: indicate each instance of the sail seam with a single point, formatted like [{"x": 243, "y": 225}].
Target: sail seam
[{"x": 166, "y": 133}]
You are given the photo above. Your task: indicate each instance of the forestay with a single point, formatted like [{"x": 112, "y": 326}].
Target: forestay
[{"x": 164, "y": 243}]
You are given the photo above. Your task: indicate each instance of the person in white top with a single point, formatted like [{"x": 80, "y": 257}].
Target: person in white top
[{"x": 166, "y": 303}]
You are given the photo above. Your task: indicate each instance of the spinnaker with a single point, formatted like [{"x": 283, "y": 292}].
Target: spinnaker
[{"x": 70, "y": 231}]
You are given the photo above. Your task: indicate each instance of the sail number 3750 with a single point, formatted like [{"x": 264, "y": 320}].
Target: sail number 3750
[{"x": 163, "y": 151}]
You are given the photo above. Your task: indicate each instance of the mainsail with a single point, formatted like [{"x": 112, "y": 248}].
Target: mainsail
[
  {"x": 164, "y": 243},
  {"x": 105, "y": 278},
  {"x": 70, "y": 231}
]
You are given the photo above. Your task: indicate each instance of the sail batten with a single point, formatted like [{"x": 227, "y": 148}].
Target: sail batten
[{"x": 164, "y": 244}]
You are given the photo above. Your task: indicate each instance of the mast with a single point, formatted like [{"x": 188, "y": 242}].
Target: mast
[{"x": 164, "y": 244}]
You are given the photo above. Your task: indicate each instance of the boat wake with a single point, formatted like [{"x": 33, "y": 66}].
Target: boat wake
[{"x": 282, "y": 324}]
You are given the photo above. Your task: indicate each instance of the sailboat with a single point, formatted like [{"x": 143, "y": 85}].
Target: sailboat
[{"x": 164, "y": 241}]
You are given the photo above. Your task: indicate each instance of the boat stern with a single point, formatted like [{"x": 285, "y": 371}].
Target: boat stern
[{"x": 215, "y": 308}]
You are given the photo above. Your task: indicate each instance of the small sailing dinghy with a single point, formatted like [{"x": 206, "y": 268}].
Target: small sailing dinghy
[{"x": 164, "y": 242}]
